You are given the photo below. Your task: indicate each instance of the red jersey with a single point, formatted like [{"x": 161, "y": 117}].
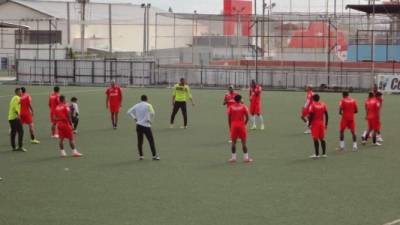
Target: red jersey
[
  {"x": 318, "y": 109},
  {"x": 372, "y": 106},
  {"x": 255, "y": 93},
  {"x": 237, "y": 113},
  {"x": 25, "y": 104},
  {"x": 229, "y": 98},
  {"x": 62, "y": 113},
  {"x": 54, "y": 100},
  {"x": 349, "y": 108},
  {"x": 309, "y": 99},
  {"x": 114, "y": 96}
]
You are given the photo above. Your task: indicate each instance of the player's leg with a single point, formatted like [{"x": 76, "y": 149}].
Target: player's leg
[
  {"x": 150, "y": 139},
  {"x": 116, "y": 119},
  {"x": 32, "y": 133},
  {"x": 354, "y": 136},
  {"x": 72, "y": 144},
  {"x": 316, "y": 134},
  {"x": 234, "y": 137},
  {"x": 261, "y": 119},
  {"x": 175, "y": 110},
  {"x": 252, "y": 121},
  {"x": 140, "y": 132},
  {"x": 341, "y": 140},
  {"x": 323, "y": 146},
  {"x": 75, "y": 122},
  {"x": 20, "y": 133},
  {"x": 54, "y": 132},
  {"x": 61, "y": 145},
  {"x": 184, "y": 114},
  {"x": 316, "y": 149},
  {"x": 13, "y": 133}
]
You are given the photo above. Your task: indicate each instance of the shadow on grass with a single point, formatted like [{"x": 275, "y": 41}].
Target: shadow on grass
[
  {"x": 129, "y": 163},
  {"x": 46, "y": 159}
]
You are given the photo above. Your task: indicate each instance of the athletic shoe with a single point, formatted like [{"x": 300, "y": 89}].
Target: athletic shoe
[
  {"x": 248, "y": 160},
  {"x": 141, "y": 157},
  {"x": 183, "y": 127},
  {"x": 35, "y": 141},
  {"x": 379, "y": 139},
  {"x": 377, "y": 144},
  {"x": 355, "y": 148},
  {"x": 308, "y": 131},
  {"x": 232, "y": 160},
  {"x": 324, "y": 156},
  {"x": 22, "y": 149},
  {"x": 262, "y": 127},
  {"x": 253, "y": 127},
  {"x": 114, "y": 127},
  {"x": 156, "y": 158},
  {"x": 55, "y": 136},
  {"x": 75, "y": 153},
  {"x": 63, "y": 153},
  {"x": 230, "y": 141},
  {"x": 75, "y": 131},
  {"x": 314, "y": 156}
]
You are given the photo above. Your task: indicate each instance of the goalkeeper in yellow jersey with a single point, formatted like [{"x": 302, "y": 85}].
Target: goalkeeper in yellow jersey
[{"x": 180, "y": 95}]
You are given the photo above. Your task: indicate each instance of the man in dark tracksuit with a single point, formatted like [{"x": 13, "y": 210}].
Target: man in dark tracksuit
[
  {"x": 15, "y": 122},
  {"x": 181, "y": 93}
]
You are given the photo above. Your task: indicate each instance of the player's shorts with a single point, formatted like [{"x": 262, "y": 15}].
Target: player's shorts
[
  {"x": 65, "y": 131},
  {"x": 305, "y": 112},
  {"x": 347, "y": 124},
  {"x": 114, "y": 108},
  {"x": 53, "y": 118},
  {"x": 255, "y": 108},
  {"x": 318, "y": 131},
  {"x": 374, "y": 124},
  {"x": 26, "y": 118},
  {"x": 238, "y": 131}
]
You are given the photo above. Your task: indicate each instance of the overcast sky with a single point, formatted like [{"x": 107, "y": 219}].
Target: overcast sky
[{"x": 215, "y": 6}]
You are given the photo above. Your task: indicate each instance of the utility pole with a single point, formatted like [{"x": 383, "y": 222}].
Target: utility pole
[
  {"x": 110, "y": 28},
  {"x": 83, "y": 18}
]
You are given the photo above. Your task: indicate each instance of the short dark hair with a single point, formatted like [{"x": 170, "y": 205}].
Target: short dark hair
[
  {"x": 345, "y": 93},
  {"x": 17, "y": 90},
  {"x": 238, "y": 98},
  {"x": 74, "y": 99},
  {"x": 62, "y": 98},
  {"x": 56, "y": 89},
  {"x": 143, "y": 98},
  {"x": 378, "y": 94},
  {"x": 23, "y": 90},
  {"x": 182, "y": 79},
  {"x": 316, "y": 98},
  {"x": 370, "y": 95}
]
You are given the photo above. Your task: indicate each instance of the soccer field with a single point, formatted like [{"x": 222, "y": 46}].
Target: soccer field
[{"x": 193, "y": 184}]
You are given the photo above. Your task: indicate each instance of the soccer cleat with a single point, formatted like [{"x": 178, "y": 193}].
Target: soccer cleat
[
  {"x": 35, "y": 141},
  {"x": 253, "y": 127},
  {"x": 314, "y": 156},
  {"x": 156, "y": 158},
  {"x": 232, "y": 160},
  {"x": 324, "y": 156},
  {"x": 75, "y": 153},
  {"x": 377, "y": 144},
  {"x": 230, "y": 141},
  {"x": 183, "y": 127},
  {"x": 75, "y": 131},
  {"x": 55, "y": 136},
  {"x": 308, "y": 131},
  {"x": 248, "y": 160},
  {"x": 262, "y": 127},
  {"x": 21, "y": 149},
  {"x": 379, "y": 139},
  {"x": 63, "y": 153},
  {"x": 141, "y": 157},
  {"x": 114, "y": 127}
]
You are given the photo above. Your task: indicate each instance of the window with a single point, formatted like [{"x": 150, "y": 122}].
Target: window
[{"x": 37, "y": 37}]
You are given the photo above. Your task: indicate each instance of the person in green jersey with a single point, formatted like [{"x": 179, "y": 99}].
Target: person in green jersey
[
  {"x": 15, "y": 122},
  {"x": 180, "y": 94}
]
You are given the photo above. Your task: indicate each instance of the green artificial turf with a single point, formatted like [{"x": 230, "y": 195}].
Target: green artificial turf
[{"x": 193, "y": 184}]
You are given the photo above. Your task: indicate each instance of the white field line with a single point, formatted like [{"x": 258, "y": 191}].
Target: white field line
[
  {"x": 48, "y": 93},
  {"x": 393, "y": 222}
]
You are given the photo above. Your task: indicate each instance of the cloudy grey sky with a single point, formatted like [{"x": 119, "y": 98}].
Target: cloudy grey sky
[{"x": 215, "y": 6}]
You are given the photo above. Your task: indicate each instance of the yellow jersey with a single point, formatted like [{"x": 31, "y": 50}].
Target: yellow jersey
[
  {"x": 181, "y": 93},
  {"x": 14, "y": 108}
]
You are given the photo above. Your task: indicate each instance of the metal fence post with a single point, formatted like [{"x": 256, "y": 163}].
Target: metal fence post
[
  {"x": 93, "y": 64},
  {"x": 55, "y": 71},
  {"x": 131, "y": 73}
]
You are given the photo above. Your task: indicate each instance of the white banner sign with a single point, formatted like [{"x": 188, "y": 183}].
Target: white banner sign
[{"x": 389, "y": 83}]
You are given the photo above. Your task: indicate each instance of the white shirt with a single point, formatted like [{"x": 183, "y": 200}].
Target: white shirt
[
  {"x": 75, "y": 110},
  {"x": 143, "y": 113}
]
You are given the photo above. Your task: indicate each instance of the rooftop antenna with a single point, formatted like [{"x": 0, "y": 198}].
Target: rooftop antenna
[{"x": 83, "y": 18}]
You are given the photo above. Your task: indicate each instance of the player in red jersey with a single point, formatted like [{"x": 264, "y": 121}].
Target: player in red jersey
[
  {"x": 347, "y": 109},
  {"x": 54, "y": 100},
  {"x": 229, "y": 99},
  {"x": 238, "y": 115},
  {"x": 64, "y": 126},
  {"x": 26, "y": 114},
  {"x": 306, "y": 107},
  {"x": 255, "y": 105},
  {"x": 372, "y": 108},
  {"x": 319, "y": 123},
  {"x": 379, "y": 98},
  {"x": 114, "y": 102}
]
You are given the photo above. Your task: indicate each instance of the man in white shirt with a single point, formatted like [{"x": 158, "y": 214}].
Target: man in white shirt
[{"x": 143, "y": 113}]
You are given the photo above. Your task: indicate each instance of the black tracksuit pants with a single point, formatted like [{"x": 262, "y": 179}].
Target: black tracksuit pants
[
  {"x": 145, "y": 131},
  {"x": 16, "y": 128},
  {"x": 177, "y": 106}
]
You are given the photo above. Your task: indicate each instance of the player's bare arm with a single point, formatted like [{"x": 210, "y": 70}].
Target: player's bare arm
[
  {"x": 107, "y": 98},
  {"x": 326, "y": 119}
]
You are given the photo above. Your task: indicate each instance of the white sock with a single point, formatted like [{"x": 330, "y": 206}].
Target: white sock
[
  {"x": 341, "y": 144},
  {"x": 246, "y": 155},
  {"x": 74, "y": 151},
  {"x": 233, "y": 155},
  {"x": 253, "y": 120},
  {"x": 355, "y": 145},
  {"x": 261, "y": 119},
  {"x": 364, "y": 134}
]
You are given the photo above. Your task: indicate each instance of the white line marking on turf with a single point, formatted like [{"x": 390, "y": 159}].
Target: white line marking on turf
[
  {"x": 48, "y": 93},
  {"x": 393, "y": 222}
]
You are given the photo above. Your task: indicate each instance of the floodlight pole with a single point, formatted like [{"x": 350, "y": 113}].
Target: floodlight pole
[
  {"x": 110, "y": 28},
  {"x": 83, "y": 12}
]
